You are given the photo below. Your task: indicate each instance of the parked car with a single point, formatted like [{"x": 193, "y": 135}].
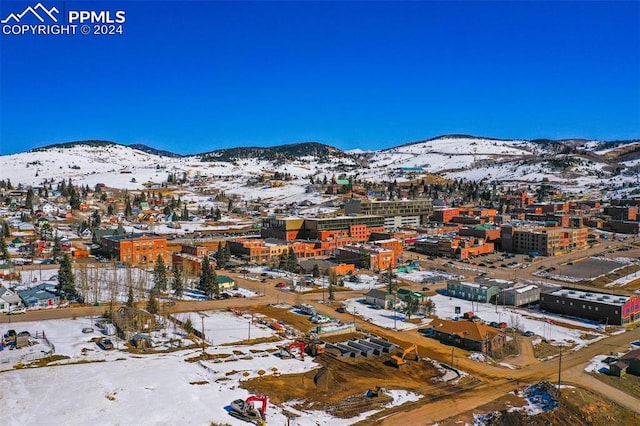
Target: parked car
[
  {"x": 16, "y": 311},
  {"x": 87, "y": 330},
  {"x": 425, "y": 288},
  {"x": 529, "y": 333},
  {"x": 105, "y": 344},
  {"x": 280, "y": 285},
  {"x": 341, "y": 309}
]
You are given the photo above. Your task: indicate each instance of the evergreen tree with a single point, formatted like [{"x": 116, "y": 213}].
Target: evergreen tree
[
  {"x": 160, "y": 274},
  {"x": 292, "y": 260},
  {"x": 217, "y": 215},
  {"x": 221, "y": 259},
  {"x": 208, "y": 279},
  {"x": 4, "y": 251},
  {"x": 127, "y": 207},
  {"x": 316, "y": 271},
  {"x": 130, "y": 298},
  {"x": 66, "y": 280},
  {"x": 57, "y": 247},
  {"x": 177, "y": 283},
  {"x": 284, "y": 260},
  {"x": 391, "y": 285},
  {"x": 5, "y": 231},
  {"x": 28, "y": 204},
  {"x": 152, "y": 303}
]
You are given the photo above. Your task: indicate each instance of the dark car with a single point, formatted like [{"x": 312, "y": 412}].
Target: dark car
[
  {"x": 529, "y": 333},
  {"x": 425, "y": 288},
  {"x": 341, "y": 310},
  {"x": 105, "y": 344}
]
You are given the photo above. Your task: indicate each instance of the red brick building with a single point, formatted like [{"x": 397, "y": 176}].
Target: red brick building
[{"x": 135, "y": 248}]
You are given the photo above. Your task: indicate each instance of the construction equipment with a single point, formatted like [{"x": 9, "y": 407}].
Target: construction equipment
[
  {"x": 292, "y": 350},
  {"x": 315, "y": 348},
  {"x": 245, "y": 410},
  {"x": 375, "y": 392},
  {"x": 399, "y": 361}
]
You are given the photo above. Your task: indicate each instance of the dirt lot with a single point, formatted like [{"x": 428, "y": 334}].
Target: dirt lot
[
  {"x": 628, "y": 383},
  {"x": 340, "y": 384},
  {"x": 578, "y": 407}
]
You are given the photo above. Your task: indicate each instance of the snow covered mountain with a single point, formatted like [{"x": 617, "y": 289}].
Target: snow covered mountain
[{"x": 578, "y": 164}]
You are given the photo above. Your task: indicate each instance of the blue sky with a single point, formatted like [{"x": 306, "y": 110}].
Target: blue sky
[{"x": 193, "y": 76}]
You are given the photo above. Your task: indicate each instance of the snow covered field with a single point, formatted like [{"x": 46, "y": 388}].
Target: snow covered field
[{"x": 151, "y": 389}]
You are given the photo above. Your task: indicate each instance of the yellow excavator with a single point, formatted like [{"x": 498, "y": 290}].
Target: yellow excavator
[{"x": 399, "y": 361}]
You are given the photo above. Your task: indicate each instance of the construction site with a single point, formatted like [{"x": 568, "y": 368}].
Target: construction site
[{"x": 357, "y": 370}]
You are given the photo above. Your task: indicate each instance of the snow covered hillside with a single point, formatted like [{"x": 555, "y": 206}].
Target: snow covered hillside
[{"x": 578, "y": 164}]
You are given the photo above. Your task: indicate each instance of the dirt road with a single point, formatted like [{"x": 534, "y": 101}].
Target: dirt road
[{"x": 496, "y": 381}]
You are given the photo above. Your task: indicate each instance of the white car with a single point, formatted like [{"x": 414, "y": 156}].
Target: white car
[{"x": 14, "y": 311}]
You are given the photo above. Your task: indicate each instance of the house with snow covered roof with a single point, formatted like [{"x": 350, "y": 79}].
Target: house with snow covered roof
[{"x": 8, "y": 300}]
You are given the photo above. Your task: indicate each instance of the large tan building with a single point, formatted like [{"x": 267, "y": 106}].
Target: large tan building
[{"x": 549, "y": 241}]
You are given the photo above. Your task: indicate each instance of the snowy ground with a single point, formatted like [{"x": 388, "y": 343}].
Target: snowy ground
[
  {"x": 151, "y": 389},
  {"x": 524, "y": 320},
  {"x": 382, "y": 317}
]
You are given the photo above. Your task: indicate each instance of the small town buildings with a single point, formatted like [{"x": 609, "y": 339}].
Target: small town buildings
[
  {"x": 519, "y": 295},
  {"x": 135, "y": 248},
  {"x": 325, "y": 267},
  {"x": 8, "y": 300},
  {"x": 472, "y": 291},
  {"x": 40, "y": 296},
  {"x": 605, "y": 308},
  {"x": 405, "y": 294},
  {"x": 189, "y": 259},
  {"x": 469, "y": 335},
  {"x": 225, "y": 282},
  {"x": 377, "y": 257},
  {"x": 380, "y": 298},
  {"x": 453, "y": 247},
  {"x": 397, "y": 213},
  {"x": 547, "y": 241},
  {"x": 628, "y": 363}
]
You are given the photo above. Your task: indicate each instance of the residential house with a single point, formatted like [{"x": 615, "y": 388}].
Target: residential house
[
  {"x": 469, "y": 335},
  {"x": 629, "y": 363},
  {"x": 8, "y": 300},
  {"x": 379, "y": 298},
  {"x": 225, "y": 282},
  {"x": 40, "y": 296}
]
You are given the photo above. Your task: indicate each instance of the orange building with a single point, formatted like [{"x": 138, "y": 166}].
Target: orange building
[
  {"x": 379, "y": 258},
  {"x": 135, "y": 248},
  {"x": 189, "y": 259},
  {"x": 391, "y": 244},
  {"x": 445, "y": 215}
]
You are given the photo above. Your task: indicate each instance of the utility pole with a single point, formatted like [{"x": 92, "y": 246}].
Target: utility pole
[
  {"x": 452, "y": 348},
  {"x": 559, "y": 371},
  {"x": 202, "y": 331}
]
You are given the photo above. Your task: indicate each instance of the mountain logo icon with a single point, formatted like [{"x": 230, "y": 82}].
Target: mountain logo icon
[{"x": 38, "y": 11}]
